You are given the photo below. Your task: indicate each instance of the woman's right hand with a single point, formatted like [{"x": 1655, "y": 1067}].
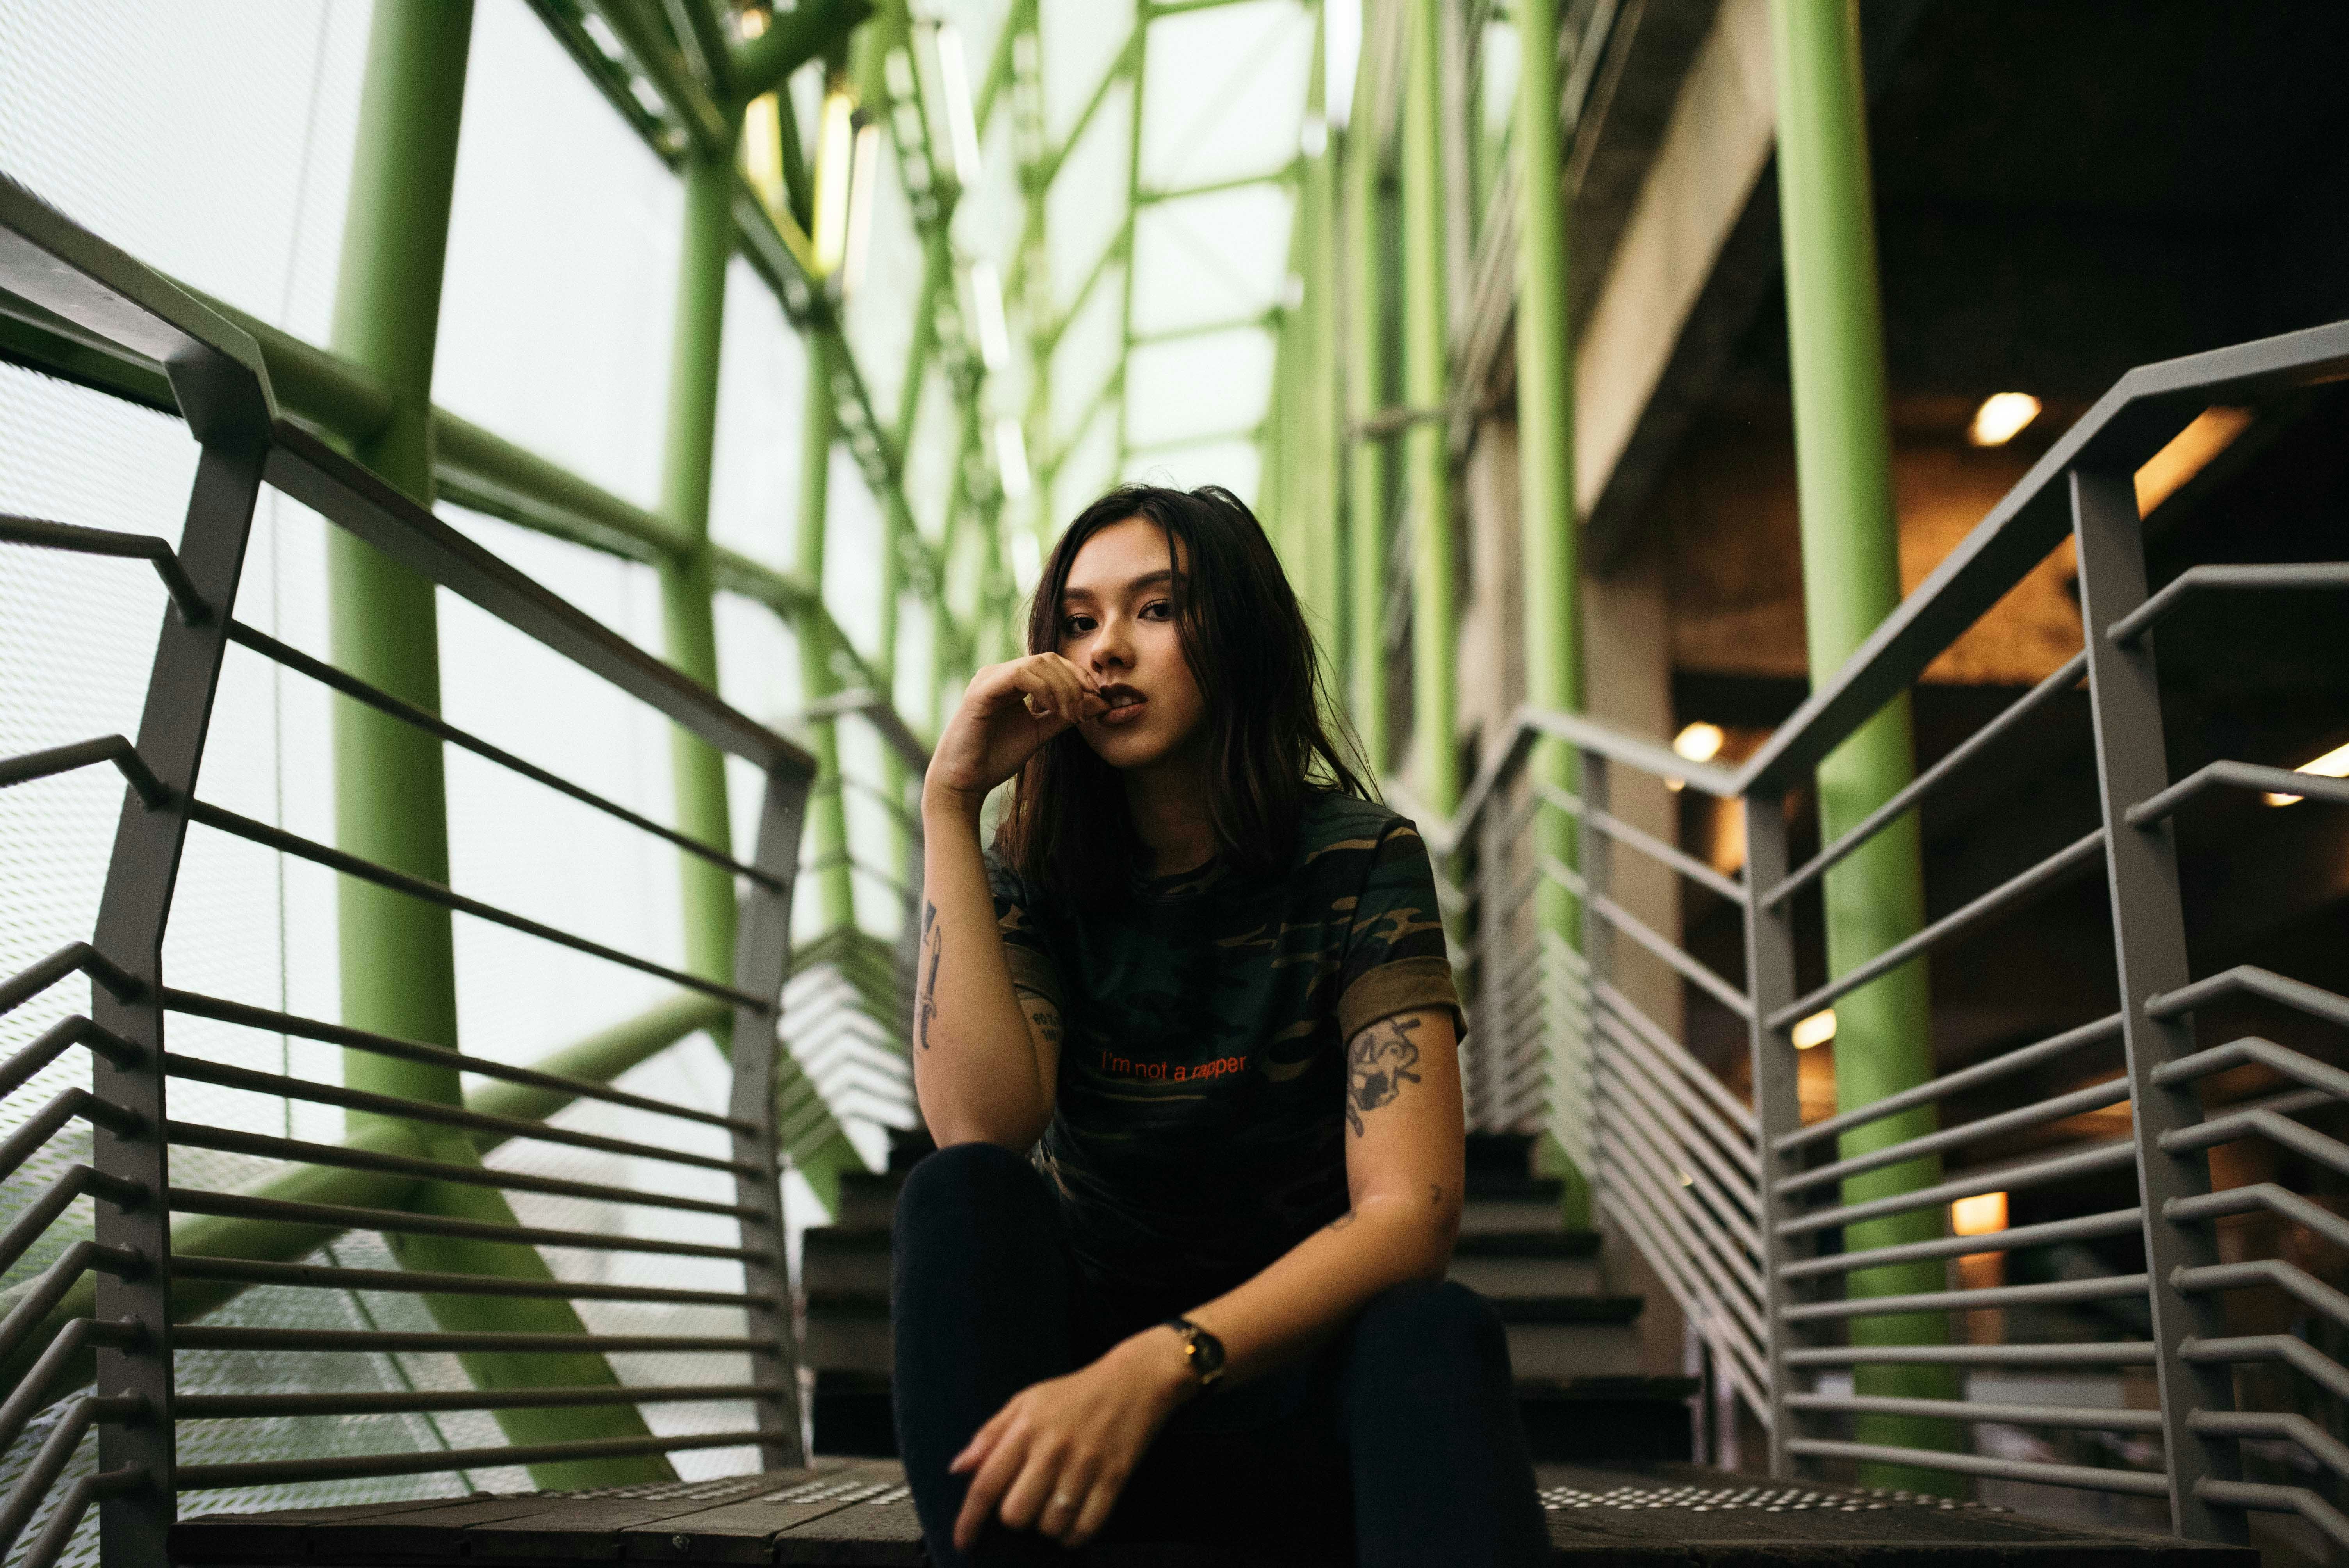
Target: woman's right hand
[{"x": 1007, "y": 712}]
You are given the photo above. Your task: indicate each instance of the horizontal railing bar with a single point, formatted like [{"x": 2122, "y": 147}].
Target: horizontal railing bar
[
  {"x": 73, "y": 957},
  {"x": 56, "y": 1452},
  {"x": 1951, "y": 925},
  {"x": 1650, "y": 757},
  {"x": 432, "y": 724},
  {"x": 36, "y": 1299},
  {"x": 2095, "y": 1096},
  {"x": 2321, "y": 1445},
  {"x": 2101, "y": 1353},
  {"x": 226, "y": 1077},
  {"x": 1740, "y": 1184},
  {"x": 2238, "y": 775},
  {"x": 418, "y": 1401},
  {"x": 351, "y": 1217},
  {"x": 2079, "y": 1228},
  {"x": 1736, "y": 1112},
  {"x": 65, "y": 1106},
  {"x": 2053, "y": 1292},
  {"x": 1700, "y": 1233},
  {"x": 282, "y": 1473},
  {"x": 2270, "y": 1123},
  {"x": 1655, "y": 849},
  {"x": 254, "y": 1271},
  {"x": 270, "y": 1146},
  {"x": 2290, "y": 1278},
  {"x": 2272, "y": 1499},
  {"x": 276, "y": 1339},
  {"x": 2030, "y": 1173},
  {"x": 2260, "y": 1195},
  {"x": 2292, "y": 1063},
  {"x": 351, "y": 865},
  {"x": 2289, "y": 1348},
  {"x": 196, "y": 1005},
  {"x": 2137, "y": 1483},
  {"x": 1689, "y": 968},
  {"x": 42, "y": 1213},
  {"x": 1694, "y": 1194},
  {"x": 1634, "y": 1202},
  {"x": 2022, "y": 707},
  {"x": 2110, "y": 1420},
  {"x": 1964, "y": 1078},
  {"x": 65, "y": 1517},
  {"x": 1565, "y": 875},
  {"x": 59, "y": 1037},
  {"x": 73, "y": 537},
  {"x": 2247, "y": 979},
  {"x": 2195, "y": 579},
  {"x": 34, "y": 1391},
  {"x": 111, "y": 748}
]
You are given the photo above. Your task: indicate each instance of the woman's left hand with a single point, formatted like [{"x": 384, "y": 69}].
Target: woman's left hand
[{"x": 1057, "y": 1456}]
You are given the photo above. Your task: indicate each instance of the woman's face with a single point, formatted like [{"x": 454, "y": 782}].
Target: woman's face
[{"x": 1118, "y": 625}]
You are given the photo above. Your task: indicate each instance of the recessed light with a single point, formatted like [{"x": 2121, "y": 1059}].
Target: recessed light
[{"x": 2002, "y": 418}]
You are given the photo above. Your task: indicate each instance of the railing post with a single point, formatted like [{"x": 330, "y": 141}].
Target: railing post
[
  {"x": 1366, "y": 501},
  {"x": 2149, "y": 948},
  {"x": 762, "y": 960},
  {"x": 1777, "y": 1097},
  {"x": 133, "y": 1526},
  {"x": 1598, "y": 954}
]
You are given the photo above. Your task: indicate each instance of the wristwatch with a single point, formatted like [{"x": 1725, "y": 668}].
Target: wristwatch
[{"x": 1203, "y": 1353}]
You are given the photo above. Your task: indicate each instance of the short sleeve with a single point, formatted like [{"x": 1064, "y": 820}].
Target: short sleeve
[
  {"x": 1032, "y": 969},
  {"x": 1395, "y": 957}
]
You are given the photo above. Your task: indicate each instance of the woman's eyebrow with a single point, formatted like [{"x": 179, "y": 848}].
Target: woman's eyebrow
[{"x": 1158, "y": 579}]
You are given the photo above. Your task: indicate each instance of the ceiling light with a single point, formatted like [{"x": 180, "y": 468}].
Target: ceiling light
[
  {"x": 1699, "y": 742},
  {"x": 2002, "y": 418},
  {"x": 1815, "y": 1030},
  {"x": 1983, "y": 1214},
  {"x": 954, "y": 91},
  {"x": 835, "y": 155},
  {"x": 2334, "y": 763}
]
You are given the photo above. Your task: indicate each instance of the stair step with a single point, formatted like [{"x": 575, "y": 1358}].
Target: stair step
[
  {"x": 1499, "y": 1263},
  {"x": 845, "y": 1257},
  {"x": 847, "y": 1331},
  {"x": 868, "y": 1198},
  {"x": 1520, "y": 1203},
  {"x": 1616, "y": 1421},
  {"x": 852, "y": 1416},
  {"x": 1570, "y": 1337}
]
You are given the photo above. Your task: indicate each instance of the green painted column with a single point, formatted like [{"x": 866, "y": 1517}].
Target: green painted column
[
  {"x": 1319, "y": 409},
  {"x": 1427, "y": 471},
  {"x": 827, "y": 810},
  {"x": 1366, "y": 488},
  {"x": 397, "y": 961},
  {"x": 1851, "y": 580},
  {"x": 698, "y": 772},
  {"x": 1547, "y": 530}
]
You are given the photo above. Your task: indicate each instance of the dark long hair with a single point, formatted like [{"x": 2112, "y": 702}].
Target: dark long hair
[{"x": 1245, "y": 637}]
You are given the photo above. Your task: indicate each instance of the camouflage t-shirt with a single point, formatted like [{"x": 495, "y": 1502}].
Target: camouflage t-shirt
[{"x": 1199, "y": 1130}]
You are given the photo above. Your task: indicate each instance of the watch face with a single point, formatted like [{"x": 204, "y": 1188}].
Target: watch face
[{"x": 1206, "y": 1354}]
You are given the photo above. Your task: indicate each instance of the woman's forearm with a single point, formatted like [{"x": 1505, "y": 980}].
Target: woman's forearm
[
  {"x": 976, "y": 1069},
  {"x": 1281, "y": 1314}
]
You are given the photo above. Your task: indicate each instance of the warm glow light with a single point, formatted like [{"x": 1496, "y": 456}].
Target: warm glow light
[
  {"x": 2002, "y": 418},
  {"x": 2189, "y": 451},
  {"x": 1815, "y": 1030},
  {"x": 987, "y": 307},
  {"x": 2334, "y": 763},
  {"x": 1699, "y": 742},
  {"x": 954, "y": 93},
  {"x": 835, "y": 158},
  {"x": 762, "y": 150},
  {"x": 1983, "y": 1214},
  {"x": 1011, "y": 457}
]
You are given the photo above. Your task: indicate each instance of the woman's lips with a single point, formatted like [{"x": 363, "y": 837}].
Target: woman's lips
[{"x": 1124, "y": 704}]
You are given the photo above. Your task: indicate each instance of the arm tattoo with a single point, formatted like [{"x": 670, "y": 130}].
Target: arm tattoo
[
  {"x": 1378, "y": 1064},
  {"x": 934, "y": 939},
  {"x": 1047, "y": 1019}
]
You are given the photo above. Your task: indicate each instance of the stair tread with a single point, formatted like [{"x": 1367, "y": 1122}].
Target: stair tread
[
  {"x": 1494, "y": 1186},
  {"x": 1526, "y": 1245},
  {"x": 848, "y": 1238},
  {"x": 1530, "y": 1309},
  {"x": 1549, "y": 1390}
]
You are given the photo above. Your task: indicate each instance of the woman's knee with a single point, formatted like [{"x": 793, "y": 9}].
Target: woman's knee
[
  {"x": 967, "y": 1180},
  {"x": 1426, "y": 1322}
]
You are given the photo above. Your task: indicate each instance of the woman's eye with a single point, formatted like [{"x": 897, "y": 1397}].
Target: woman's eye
[
  {"x": 1157, "y": 610},
  {"x": 1077, "y": 625}
]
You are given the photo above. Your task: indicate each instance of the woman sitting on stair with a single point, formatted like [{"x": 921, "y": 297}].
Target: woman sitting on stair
[{"x": 1202, "y": 977}]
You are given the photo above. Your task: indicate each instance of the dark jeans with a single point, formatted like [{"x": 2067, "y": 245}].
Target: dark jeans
[{"x": 1398, "y": 1444}]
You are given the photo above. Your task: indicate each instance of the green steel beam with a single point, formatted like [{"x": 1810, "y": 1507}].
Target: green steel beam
[
  {"x": 1049, "y": 169},
  {"x": 790, "y": 41},
  {"x": 1366, "y": 461},
  {"x": 1283, "y": 175},
  {"x": 1319, "y": 411},
  {"x": 643, "y": 32},
  {"x": 686, "y": 575},
  {"x": 1255, "y": 321},
  {"x": 1851, "y": 580},
  {"x": 1112, "y": 253},
  {"x": 398, "y": 957},
  {"x": 827, "y": 838},
  {"x": 1031, "y": 273},
  {"x": 1548, "y": 534},
  {"x": 1427, "y": 471}
]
